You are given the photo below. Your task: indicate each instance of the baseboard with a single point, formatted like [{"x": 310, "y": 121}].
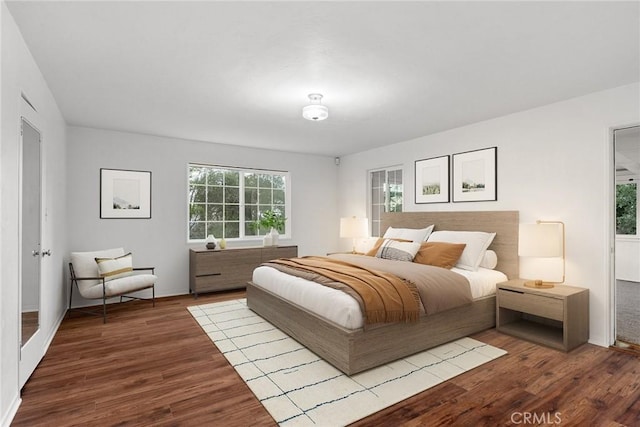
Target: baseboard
[{"x": 11, "y": 413}]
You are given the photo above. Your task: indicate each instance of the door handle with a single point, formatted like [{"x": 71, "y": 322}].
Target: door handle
[
  {"x": 35, "y": 253},
  {"x": 47, "y": 253}
]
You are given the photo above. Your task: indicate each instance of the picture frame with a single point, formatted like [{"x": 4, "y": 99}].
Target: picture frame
[
  {"x": 125, "y": 194},
  {"x": 432, "y": 180},
  {"x": 475, "y": 175}
]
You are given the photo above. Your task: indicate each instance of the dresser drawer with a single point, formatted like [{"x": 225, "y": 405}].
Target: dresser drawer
[
  {"x": 217, "y": 262},
  {"x": 219, "y": 282},
  {"x": 551, "y": 308}
]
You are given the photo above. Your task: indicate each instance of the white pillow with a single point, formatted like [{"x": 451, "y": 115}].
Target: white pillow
[
  {"x": 489, "y": 260},
  {"x": 477, "y": 243},
  {"x": 399, "y": 251},
  {"x": 413, "y": 234}
]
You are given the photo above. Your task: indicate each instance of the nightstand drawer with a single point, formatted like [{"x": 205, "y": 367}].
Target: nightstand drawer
[{"x": 550, "y": 308}]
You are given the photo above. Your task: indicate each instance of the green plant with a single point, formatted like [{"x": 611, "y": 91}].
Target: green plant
[{"x": 271, "y": 219}]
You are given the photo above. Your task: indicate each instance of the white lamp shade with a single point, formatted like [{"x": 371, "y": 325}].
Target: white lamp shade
[
  {"x": 354, "y": 227},
  {"x": 542, "y": 240},
  {"x": 315, "y": 112}
]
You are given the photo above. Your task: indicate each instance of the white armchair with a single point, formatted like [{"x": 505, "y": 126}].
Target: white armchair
[{"x": 106, "y": 274}]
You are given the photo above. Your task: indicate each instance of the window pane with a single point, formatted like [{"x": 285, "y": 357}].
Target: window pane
[
  {"x": 251, "y": 213},
  {"x": 250, "y": 229},
  {"x": 232, "y": 213},
  {"x": 215, "y": 228},
  {"x": 197, "y": 175},
  {"x": 215, "y": 177},
  {"x": 251, "y": 196},
  {"x": 264, "y": 197},
  {"x": 626, "y": 209},
  {"x": 278, "y": 182},
  {"x": 231, "y": 230},
  {"x": 278, "y": 197},
  {"x": 214, "y": 194},
  {"x": 232, "y": 195},
  {"x": 264, "y": 181},
  {"x": 197, "y": 212},
  {"x": 197, "y": 194},
  {"x": 197, "y": 230},
  {"x": 250, "y": 180},
  {"x": 214, "y": 212},
  {"x": 232, "y": 178}
]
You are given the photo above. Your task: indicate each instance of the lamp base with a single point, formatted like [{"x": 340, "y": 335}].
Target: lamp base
[{"x": 539, "y": 284}]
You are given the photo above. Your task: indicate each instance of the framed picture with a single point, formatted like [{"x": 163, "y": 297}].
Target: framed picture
[
  {"x": 125, "y": 194},
  {"x": 475, "y": 175},
  {"x": 432, "y": 180}
]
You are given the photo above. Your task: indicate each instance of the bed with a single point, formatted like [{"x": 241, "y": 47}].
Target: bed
[{"x": 355, "y": 348}]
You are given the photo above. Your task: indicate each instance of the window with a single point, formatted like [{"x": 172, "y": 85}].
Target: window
[
  {"x": 386, "y": 195},
  {"x": 626, "y": 209},
  {"x": 227, "y": 202}
]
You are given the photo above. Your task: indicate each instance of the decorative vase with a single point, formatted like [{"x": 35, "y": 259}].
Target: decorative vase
[
  {"x": 274, "y": 236},
  {"x": 266, "y": 240},
  {"x": 223, "y": 243},
  {"x": 210, "y": 242}
]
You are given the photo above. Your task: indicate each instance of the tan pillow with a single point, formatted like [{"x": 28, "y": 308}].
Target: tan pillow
[{"x": 440, "y": 254}]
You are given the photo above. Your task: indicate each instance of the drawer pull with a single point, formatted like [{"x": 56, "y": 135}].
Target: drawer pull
[{"x": 208, "y": 275}]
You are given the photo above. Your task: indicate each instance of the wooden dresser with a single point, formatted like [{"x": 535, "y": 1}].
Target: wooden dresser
[{"x": 231, "y": 268}]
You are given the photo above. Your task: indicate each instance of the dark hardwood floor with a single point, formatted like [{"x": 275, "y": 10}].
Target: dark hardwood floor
[{"x": 155, "y": 367}]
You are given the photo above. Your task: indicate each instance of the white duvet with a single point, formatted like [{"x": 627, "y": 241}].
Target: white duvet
[{"x": 341, "y": 309}]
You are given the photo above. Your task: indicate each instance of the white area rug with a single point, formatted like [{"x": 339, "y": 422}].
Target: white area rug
[{"x": 298, "y": 388}]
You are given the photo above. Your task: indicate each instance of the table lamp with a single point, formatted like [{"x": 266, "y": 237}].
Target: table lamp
[
  {"x": 544, "y": 239},
  {"x": 354, "y": 228}
]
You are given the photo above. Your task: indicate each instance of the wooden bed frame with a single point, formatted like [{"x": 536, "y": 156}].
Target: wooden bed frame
[{"x": 353, "y": 351}]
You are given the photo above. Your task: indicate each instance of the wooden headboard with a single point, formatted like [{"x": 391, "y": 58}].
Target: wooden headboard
[{"x": 503, "y": 223}]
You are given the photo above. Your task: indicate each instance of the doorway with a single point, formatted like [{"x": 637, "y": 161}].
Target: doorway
[{"x": 627, "y": 240}]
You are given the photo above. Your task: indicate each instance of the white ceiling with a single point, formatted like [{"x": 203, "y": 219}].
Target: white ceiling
[{"x": 239, "y": 72}]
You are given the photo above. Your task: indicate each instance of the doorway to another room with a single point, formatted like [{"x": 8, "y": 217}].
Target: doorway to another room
[{"x": 627, "y": 242}]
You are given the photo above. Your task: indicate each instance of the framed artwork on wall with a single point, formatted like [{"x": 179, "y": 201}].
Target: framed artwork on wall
[
  {"x": 432, "y": 180},
  {"x": 125, "y": 194},
  {"x": 475, "y": 175}
]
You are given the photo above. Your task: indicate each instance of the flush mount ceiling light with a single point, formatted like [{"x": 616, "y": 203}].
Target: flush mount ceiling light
[{"x": 315, "y": 111}]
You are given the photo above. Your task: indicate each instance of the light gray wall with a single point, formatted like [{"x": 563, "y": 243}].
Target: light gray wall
[
  {"x": 554, "y": 163},
  {"x": 162, "y": 240},
  {"x": 21, "y": 74}
]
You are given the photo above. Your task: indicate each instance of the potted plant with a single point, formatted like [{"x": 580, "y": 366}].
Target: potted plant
[{"x": 274, "y": 222}]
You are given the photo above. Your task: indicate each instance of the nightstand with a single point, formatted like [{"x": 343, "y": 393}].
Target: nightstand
[{"x": 557, "y": 317}]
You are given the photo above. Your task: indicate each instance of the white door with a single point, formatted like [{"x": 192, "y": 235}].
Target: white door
[
  {"x": 627, "y": 239},
  {"x": 32, "y": 338}
]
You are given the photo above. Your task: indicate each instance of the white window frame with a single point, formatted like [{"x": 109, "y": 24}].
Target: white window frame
[
  {"x": 370, "y": 173},
  {"x": 243, "y": 237}
]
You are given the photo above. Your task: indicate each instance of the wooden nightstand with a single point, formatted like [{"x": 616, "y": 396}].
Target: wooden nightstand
[{"x": 557, "y": 317}]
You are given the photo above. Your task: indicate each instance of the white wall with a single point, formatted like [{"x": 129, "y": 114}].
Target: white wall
[
  {"x": 554, "y": 163},
  {"x": 162, "y": 240},
  {"x": 21, "y": 74}
]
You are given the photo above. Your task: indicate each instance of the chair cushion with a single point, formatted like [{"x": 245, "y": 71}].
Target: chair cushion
[
  {"x": 123, "y": 285},
  {"x": 84, "y": 265}
]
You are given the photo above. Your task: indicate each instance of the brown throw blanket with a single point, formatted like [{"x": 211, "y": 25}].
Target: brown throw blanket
[
  {"x": 384, "y": 297},
  {"x": 440, "y": 289}
]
